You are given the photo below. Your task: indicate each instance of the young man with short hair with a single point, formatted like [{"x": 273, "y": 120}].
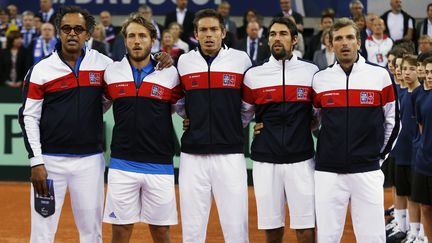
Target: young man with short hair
[
  {"x": 212, "y": 162},
  {"x": 141, "y": 174}
]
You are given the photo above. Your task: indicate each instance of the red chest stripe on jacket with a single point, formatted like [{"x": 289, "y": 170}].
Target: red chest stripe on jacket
[
  {"x": 274, "y": 94},
  {"x": 150, "y": 90},
  {"x": 218, "y": 80},
  {"x": 69, "y": 81},
  {"x": 356, "y": 98}
]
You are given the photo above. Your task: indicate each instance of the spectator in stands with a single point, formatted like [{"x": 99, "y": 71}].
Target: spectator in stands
[
  {"x": 424, "y": 44},
  {"x": 360, "y": 21},
  {"x": 4, "y": 22},
  {"x": 315, "y": 42},
  {"x": 286, "y": 10},
  {"x": 378, "y": 44},
  {"x": 370, "y": 18},
  {"x": 46, "y": 12},
  {"x": 45, "y": 43},
  {"x": 256, "y": 48},
  {"x": 97, "y": 40},
  {"x": 185, "y": 18},
  {"x": 263, "y": 31},
  {"x": 356, "y": 8},
  {"x": 299, "y": 46},
  {"x": 425, "y": 26},
  {"x": 224, "y": 9},
  {"x": 167, "y": 45},
  {"x": 14, "y": 61},
  {"x": 37, "y": 22},
  {"x": 325, "y": 57},
  {"x": 28, "y": 30},
  {"x": 176, "y": 31},
  {"x": 13, "y": 15},
  {"x": 399, "y": 24},
  {"x": 247, "y": 17},
  {"x": 147, "y": 13},
  {"x": 110, "y": 30}
]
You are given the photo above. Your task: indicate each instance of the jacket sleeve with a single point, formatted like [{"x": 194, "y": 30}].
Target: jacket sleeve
[
  {"x": 248, "y": 101},
  {"x": 177, "y": 98},
  {"x": 390, "y": 108},
  {"x": 29, "y": 118},
  {"x": 106, "y": 98}
]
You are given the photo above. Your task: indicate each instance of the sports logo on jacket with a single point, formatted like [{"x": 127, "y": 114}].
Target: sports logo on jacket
[
  {"x": 95, "y": 78},
  {"x": 194, "y": 83},
  {"x": 229, "y": 80},
  {"x": 366, "y": 98},
  {"x": 302, "y": 94},
  {"x": 156, "y": 91},
  {"x": 64, "y": 84}
]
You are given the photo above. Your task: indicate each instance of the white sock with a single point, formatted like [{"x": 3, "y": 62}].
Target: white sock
[
  {"x": 415, "y": 228},
  {"x": 421, "y": 231},
  {"x": 401, "y": 216}
]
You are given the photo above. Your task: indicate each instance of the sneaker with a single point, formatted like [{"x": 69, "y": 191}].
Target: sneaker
[
  {"x": 396, "y": 235},
  {"x": 411, "y": 238},
  {"x": 389, "y": 227},
  {"x": 421, "y": 239},
  {"x": 389, "y": 211}
]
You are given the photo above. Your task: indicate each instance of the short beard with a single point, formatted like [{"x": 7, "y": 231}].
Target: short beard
[
  {"x": 139, "y": 58},
  {"x": 283, "y": 54}
]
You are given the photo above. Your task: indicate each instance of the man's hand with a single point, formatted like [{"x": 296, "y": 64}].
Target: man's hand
[
  {"x": 186, "y": 123},
  {"x": 164, "y": 60},
  {"x": 257, "y": 128},
  {"x": 38, "y": 179},
  {"x": 315, "y": 123}
]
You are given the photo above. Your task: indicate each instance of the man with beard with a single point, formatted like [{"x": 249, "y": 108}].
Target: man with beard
[
  {"x": 359, "y": 125},
  {"x": 141, "y": 174},
  {"x": 279, "y": 91},
  {"x": 212, "y": 160},
  {"x": 61, "y": 120}
]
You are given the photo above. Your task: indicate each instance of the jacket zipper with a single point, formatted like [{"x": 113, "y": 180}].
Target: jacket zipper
[
  {"x": 283, "y": 102},
  {"x": 347, "y": 121},
  {"x": 136, "y": 108},
  {"x": 210, "y": 104},
  {"x": 76, "y": 75}
]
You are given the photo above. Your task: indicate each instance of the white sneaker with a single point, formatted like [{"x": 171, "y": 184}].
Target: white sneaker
[
  {"x": 410, "y": 238},
  {"x": 419, "y": 239},
  {"x": 389, "y": 227}
]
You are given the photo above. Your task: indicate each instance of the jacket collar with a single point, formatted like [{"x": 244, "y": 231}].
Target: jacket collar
[
  {"x": 221, "y": 52},
  {"x": 357, "y": 64},
  {"x": 289, "y": 62}
]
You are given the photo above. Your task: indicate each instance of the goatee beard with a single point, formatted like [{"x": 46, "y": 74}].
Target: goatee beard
[{"x": 283, "y": 54}]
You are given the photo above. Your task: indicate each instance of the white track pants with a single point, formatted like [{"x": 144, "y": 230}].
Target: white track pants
[
  {"x": 84, "y": 178},
  {"x": 334, "y": 191},
  {"x": 223, "y": 175}
]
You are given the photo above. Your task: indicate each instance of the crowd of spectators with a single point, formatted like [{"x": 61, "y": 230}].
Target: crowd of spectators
[{"x": 33, "y": 34}]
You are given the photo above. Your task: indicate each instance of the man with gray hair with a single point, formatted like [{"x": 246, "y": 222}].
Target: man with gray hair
[
  {"x": 28, "y": 30},
  {"x": 356, "y": 8}
]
